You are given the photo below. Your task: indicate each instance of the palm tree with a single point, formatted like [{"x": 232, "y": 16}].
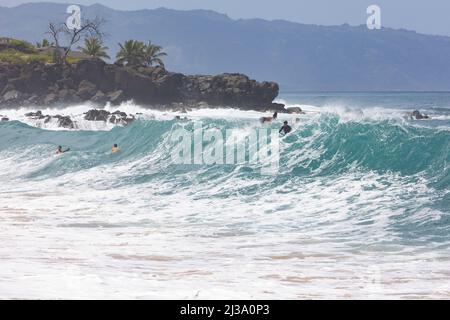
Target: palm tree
[
  {"x": 132, "y": 53},
  {"x": 153, "y": 54},
  {"x": 94, "y": 48}
]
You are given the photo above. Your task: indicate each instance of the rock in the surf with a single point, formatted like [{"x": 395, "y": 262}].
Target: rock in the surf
[
  {"x": 62, "y": 121},
  {"x": 120, "y": 114},
  {"x": 417, "y": 115},
  {"x": 294, "y": 110},
  {"x": 117, "y": 117},
  {"x": 65, "y": 122},
  {"x": 97, "y": 115},
  {"x": 35, "y": 115}
]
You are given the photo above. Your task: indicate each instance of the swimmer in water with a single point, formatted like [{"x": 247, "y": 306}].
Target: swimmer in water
[
  {"x": 61, "y": 151},
  {"x": 285, "y": 128},
  {"x": 115, "y": 148}
]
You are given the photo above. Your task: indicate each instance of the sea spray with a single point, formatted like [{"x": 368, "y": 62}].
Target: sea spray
[{"x": 236, "y": 147}]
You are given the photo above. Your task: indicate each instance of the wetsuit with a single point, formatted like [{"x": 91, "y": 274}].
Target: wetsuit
[{"x": 286, "y": 128}]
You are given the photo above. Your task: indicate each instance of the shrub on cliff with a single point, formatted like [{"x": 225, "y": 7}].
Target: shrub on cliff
[
  {"x": 22, "y": 46},
  {"x": 18, "y": 57}
]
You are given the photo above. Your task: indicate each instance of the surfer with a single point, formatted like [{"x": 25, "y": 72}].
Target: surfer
[
  {"x": 269, "y": 119},
  {"x": 61, "y": 151},
  {"x": 285, "y": 128},
  {"x": 115, "y": 148}
]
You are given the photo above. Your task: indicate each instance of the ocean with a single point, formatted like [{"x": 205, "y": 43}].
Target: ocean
[{"x": 359, "y": 207}]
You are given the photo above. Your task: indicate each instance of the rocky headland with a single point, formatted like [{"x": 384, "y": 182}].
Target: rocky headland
[{"x": 96, "y": 82}]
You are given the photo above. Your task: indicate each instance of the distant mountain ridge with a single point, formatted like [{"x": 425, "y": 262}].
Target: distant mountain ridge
[{"x": 297, "y": 56}]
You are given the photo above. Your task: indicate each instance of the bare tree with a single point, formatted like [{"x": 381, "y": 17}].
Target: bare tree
[{"x": 88, "y": 28}]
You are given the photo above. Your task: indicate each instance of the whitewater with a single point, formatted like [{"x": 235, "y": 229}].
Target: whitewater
[{"x": 360, "y": 207}]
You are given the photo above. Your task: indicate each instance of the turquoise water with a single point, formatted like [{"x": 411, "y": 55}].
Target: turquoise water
[
  {"x": 360, "y": 206},
  {"x": 433, "y": 102}
]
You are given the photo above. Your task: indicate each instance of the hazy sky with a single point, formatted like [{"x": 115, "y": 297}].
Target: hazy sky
[{"x": 431, "y": 16}]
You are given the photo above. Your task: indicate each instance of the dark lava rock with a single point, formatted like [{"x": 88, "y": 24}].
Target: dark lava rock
[
  {"x": 65, "y": 94},
  {"x": 3, "y": 81},
  {"x": 114, "y": 120},
  {"x": 120, "y": 114},
  {"x": 12, "y": 95},
  {"x": 294, "y": 110},
  {"x": 418, "y": 115},
  {"x": 97, "y": 115},
  {"x": 65, "y": 122},
  {"x": 235, "y": 90},
  {"x": 50, "y": 99},
  {"x": 119, "y": 117},
  {"x": 32, "y": 101},
  {"x": 100, "y": 98},
  {"x": 86, "y": 90},
  {"x": 116, "y": 97},
  {"x": 36, "y": 115},
  {"x": 99, "y": 82}
]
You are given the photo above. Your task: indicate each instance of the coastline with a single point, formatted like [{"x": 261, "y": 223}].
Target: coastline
[{"x": 98, "y": 83}]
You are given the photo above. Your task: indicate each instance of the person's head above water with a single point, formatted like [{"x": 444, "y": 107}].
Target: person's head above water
[
  {"x": 60, "y": 150},
  {"x": 115, "y": 145},
  {"x": 286, "y": 122}
]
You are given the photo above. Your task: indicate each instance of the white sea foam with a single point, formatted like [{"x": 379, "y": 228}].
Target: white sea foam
[
  {"x": 77, "y": 112},
  {"x": 82, "y": 241}
]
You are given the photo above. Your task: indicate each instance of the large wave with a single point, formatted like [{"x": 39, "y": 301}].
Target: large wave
[
  {"x": 320, "y": 145},
  {"x": 353, "y": 187}
]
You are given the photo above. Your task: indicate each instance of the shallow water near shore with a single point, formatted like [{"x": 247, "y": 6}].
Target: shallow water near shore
[{"x": 360, "y": 207}]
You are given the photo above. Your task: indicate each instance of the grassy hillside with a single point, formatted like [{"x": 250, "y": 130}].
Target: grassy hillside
[{"x": 20, "y": 51}]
